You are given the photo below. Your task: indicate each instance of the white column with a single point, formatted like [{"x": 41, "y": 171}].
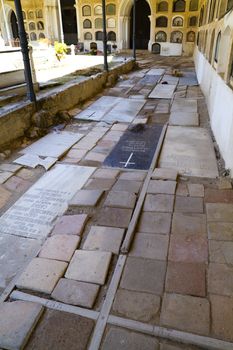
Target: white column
[
  {"x": 78, "y": 21},
  {"x": 127, "y": 32},
  {"x": 152, "y": 31},
  {"x": 60, "y": 21},
  {"x": 121, "y": 33},
  {"x": 6, "y": 24}
]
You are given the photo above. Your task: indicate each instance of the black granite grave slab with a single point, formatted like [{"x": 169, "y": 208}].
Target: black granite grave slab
[{"x": 136, "y": 148}]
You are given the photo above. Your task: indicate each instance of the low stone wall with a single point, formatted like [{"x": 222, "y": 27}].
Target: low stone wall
[{"x": 14, "y": 122}]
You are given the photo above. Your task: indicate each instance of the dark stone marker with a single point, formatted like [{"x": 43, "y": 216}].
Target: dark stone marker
[{"x": 135, "y": 148}]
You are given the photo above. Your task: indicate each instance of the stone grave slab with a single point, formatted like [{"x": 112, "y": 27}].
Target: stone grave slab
[
  {"x": 184, "y": 119},
  {"x": 33, "y": 160},
  {"x": 86, "y": 198},
  {"x": 164, "y": 174},
  {"x": 53, "y": 145},
  {"x": 190, "y": 151},
  {"x": 150, "y": 246},
  {"x": 135, "y": 150},
  {"x": 156, "y": 71},
  {"x": 170, "y": 79},
  {"x": 189, "y": 79},
  {"x": 161, "y": 186},
  {"x": 163, "y": 91},
  {"x": 70, "y": 224},
  {"x": 34, "y": 213},
  {"x": 120, "y": 199},
  {"x": 114, "y": 217},
  {"x": 59, "y": 247},
  {"x": 184, "y": 105},
  {"x": 150, "y": 79}
]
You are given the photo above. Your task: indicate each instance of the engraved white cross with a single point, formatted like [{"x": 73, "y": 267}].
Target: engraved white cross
[{"x": 128, "y": 161}]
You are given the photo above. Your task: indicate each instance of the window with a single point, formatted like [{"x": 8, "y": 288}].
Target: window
[
  {"x": 179, "y": 6},
  {"x": 163, "y": 6},
  {"x": 98, "y": 10},
  {"x": 98, "y": 23},
  {"x": 161, "y": 37},
  {"x": 88, "y": 36},
  {"x": 193, "y": 6},
  {"x": 178, "y": 22},
  {"x": 192, "y": 21},
  {"x": 40, "y": 25},
  {"x": 41, "y": 36},
  {"x": 161, "y": 21},
  {"x": 99, "y": 36},
  {"x": 191, "y": 37},
  {"x": 87, "y": 23},
  {"x": 33, "y": 36},
  {"x": 32, "y": 26},
  {"x": 111, "y": 23},
  {"x": 39, "y": 14},
  {"x": 86, "y": 10},
  {"x": 176, "y": 37},
  {"x": 216, "y": 53},
  {"x": 111, "y": 9},
  {"x": 111, "y": 36}
]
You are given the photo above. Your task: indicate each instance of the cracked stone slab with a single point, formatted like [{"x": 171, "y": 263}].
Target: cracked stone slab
[{"x": 59, "y": 247}]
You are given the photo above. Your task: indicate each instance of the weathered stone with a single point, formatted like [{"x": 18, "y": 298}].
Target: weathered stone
[
  {"x": 159, "y": 203},
  {"x": 135, "y": 278},
  {"x": 155, "y": 223},
  {"x": 127, "y": 185},
  {"x": 107, "y": 239},
  {"x": 150, "y": 246},
  {"x": 16, "y": 184},
  {"x": 59, "y": 247},
  {"x": 106, "y": 173},
  {"x": 142, "y": 307},
  {"x": 219, "y": 212},
  {"x": 41, "y": 275},
  {"x": 75, "y": 293},
  {"x": 95, "y": 157},
  {"x": 188, "y": 248},
  {"x": 89, "y": 266},
  {"x": 221, "y": 252},
  {"x": 186, "y": 278},
  {"x": 186, "y": 313},
  {"x": 4, "y": 196},
  {"x": 114, "y": 217},
  {"x": 76, "y": 153},
  {"x": 120, "y": 199},
  {"x": 224, "y": 183},
  {"x": 17, "y": 321},
  {"x": 86, "y": 198},
  {"x": 70, "y": 225},
  {"x": 61, "y": 330},
  {"x": 189, "y": 224},
  {"x": 160, "y": 186},
  {"x": 220, "y": 279},
  {"x": 99, "y": 184},
  {"x": 196, "y": 190},
  {"x": 26, "y": 174},
  {"x": 182, "y": 189},
  {"x": 119, "y": 127},
  {"x": 220, "y": 231},
  {"x": 218, "y": 196},
  {"x": 132, "y": 175},
  {"x": 222, "y": 317},
  {"x": 188, "y": 204}
]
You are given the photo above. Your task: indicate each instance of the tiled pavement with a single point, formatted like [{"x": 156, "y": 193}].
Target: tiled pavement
[{"x": 178, "y": 274}]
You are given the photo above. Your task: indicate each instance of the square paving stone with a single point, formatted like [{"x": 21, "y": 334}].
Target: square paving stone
[
  {"x": 142, "y": 307},
  {"x": 95, "y": 157},
  {"x": 106, "y": 174},
  {"x": 150, "y": 246},
  {"x": 194, "y": 224},
  {"x": 120, "y": 199},
  {"x": 218, "y": 196},
  {"x": 188, "y": 248},
  {"x": 220, "y": 231},
  {"x": 89, "y": 266},
  {"x": 99, "y": 184},
  {"x": 161, "y": 186},
  {"x": 75, "y": 293},
  {"x": 222, "y": 317},
  {"x": 133, "y": 176},
  {"x": 107, "y": 239},
  {"x": 221, "y": 252},
  {"x": 186, "y": 313},
  {"x": 114, "y": 217},
  {"x": 4, "y": 196},
  {"x": 164, "y": 174},
  {"x": 184, "y": 118},
  {"x": 159, "y": 202},
  {"x": 70, "y": 225},
  {"x": 16, "y": 184},
  {"x": 155, "y": 223},
  {"x": 17, "y": 321},
  {"x": 188, "y": 204},
  {"x": 144, "y": 275},
  {"x": 186, "y": 278},
  {"x": 127, "y": 185},
  {"x": 61, "y": 330},
  {"x": 86, "y": 198},
  {"x": 121, "y": 339},
  {"x": 196, "y": 190},
  {"x": 182, "y": 189},
  {"x": 59, "y": 247},
  {"x": 220, "y": 279},
  {"x": 41, "y": 275},
  {"x": 219, "y": 212}
]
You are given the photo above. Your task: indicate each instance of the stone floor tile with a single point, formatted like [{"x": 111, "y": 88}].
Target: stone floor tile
[
  {"x": 182, "y": 189},
  {"x": 221, "y": 252},
  {"x": 75, "y": 293},
  {"x": 89, "y": 266},
  {"x": 186, "y": 278},
  {"x": 107, "y": 239},
  {"x": 61, "y": 330},
  {"x": 119, "y": 127},
  {"x": 218, "y": 196},
  {"x": 220, "y": 231},
  {"x": 76, "y": 153},
  {"x": 188, "y": 204},
  {"x": 186, "y": 313},
  {"x": 164, "y": 174},
  {"x": 59, "y": 247},
  {"x": 219, "y": 212},
  {"x": 95, "y": 157},
  {"x": 99, "y": 184},
  {"x": 142, "y": 307},
  {"x": 4, "y": 196},
  {"x": 120, "y": 199},
  {"x": 41, "y": 275},
  {"x": 159, "y": 203},
  {"x": 222, "y": 317},
  {"x": 86, "y": 198},
  {"x": 16, "y": 184},
  {"x": 188, "y": 248},
  {"x": 4, "y": 176},
  {"x": 196, "y": 190},
  {"x": 105, "y": 173},
  {"x": 70, "y": 225},
  {"x": 114, "y": 217},
  {"x": 17, "y": 321},
  {"x": 194, "y": 224},
  {"x": 155, "y": 223},
  {"x": 128, "y": 186},
  {"x": 26, "y": 174},
  {"x": 135, "y": 278},
  {"x": 133, "y": 175},
  {"x": 161, "y": 186},
  {"x": 121, "y": 339},
  {"x": 220, "y": 279},
  {"x": 146, "y": 245}
]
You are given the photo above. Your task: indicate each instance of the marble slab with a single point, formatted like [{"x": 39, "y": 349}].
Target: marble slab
[
  {"x": 163, "y": 91},
  {"x": 184, "y": 105},
  {"x": 156, "y": 71},
  {"x": 53, "y": 145},
  {"x": 33, "y": 160},
  {"x": 170, "y": 79},
  {"x": 34, "y": 213},
  {"x": 189, "y": 79},
  {"x": 190, "y": 151},
  {"x": 184, "y": 119},
  {"x": 150, "y": 79}
]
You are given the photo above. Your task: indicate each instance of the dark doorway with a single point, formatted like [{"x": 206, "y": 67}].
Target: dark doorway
[
  {"x": 14, "y": 25},
  {"x": 69, "y": 21},
  {"x": 142, "y": 25},
  {"x": 156, "y": 48}
]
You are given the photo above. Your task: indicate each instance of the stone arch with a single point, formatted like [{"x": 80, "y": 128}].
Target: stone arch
[
  {"x": 192, "y": 21},
  {"x": 179, "y": 6},
  {"x": 86, "y": 10},
  {"x": 161, "y": 21},
  {"x": 176, "y": 37},
  {"x": 156, "y": 48},
  {"x": 99, "y": 35},
  {"x": 98, "y": 23},
  {"x": 193, "y": 6},
  {"x": 98, "y": 10},
  {"x": 87, "y": 36},
  {"x": 111, "y": 36},
  {"x": 178, "y": 21},
  {"x": 191, "y": 37},
  {"x": 161, "y": 37},
  {"x": 87, "y": 23},
  {"x": 162, "y": 6}
]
